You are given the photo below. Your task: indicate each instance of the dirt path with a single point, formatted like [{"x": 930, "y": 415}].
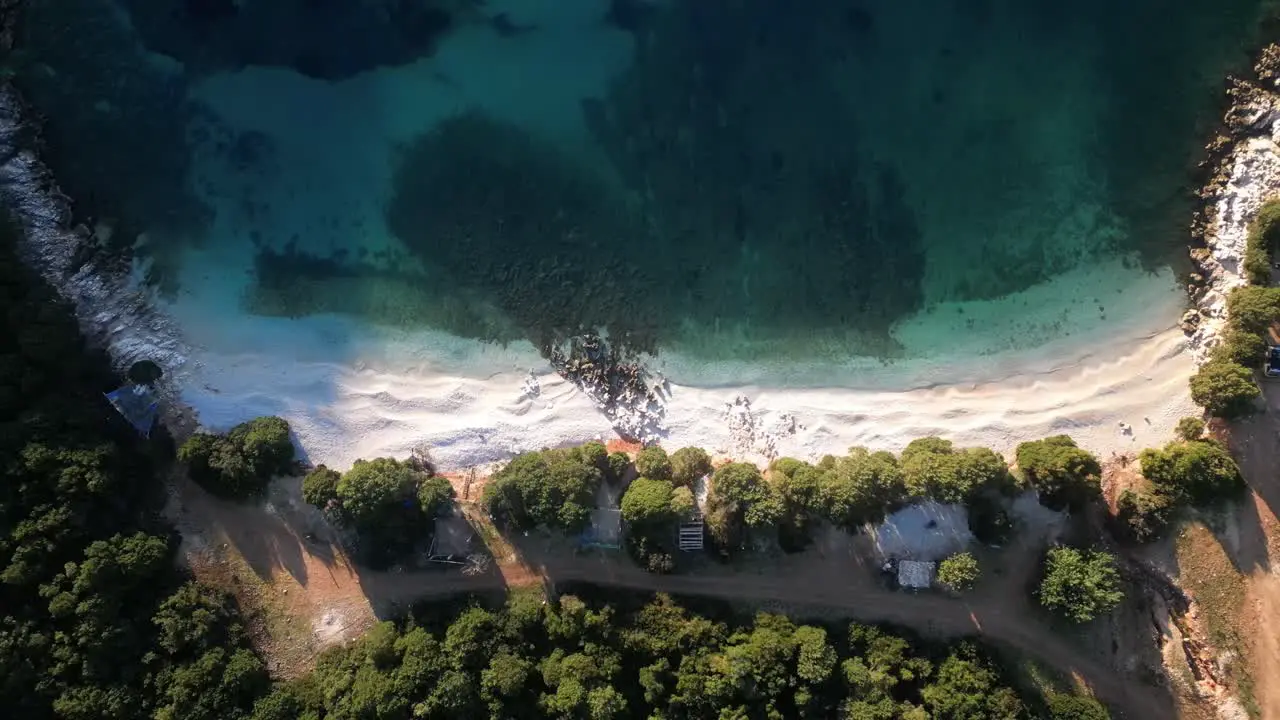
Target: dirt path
[{"x": 998, "y": 614}]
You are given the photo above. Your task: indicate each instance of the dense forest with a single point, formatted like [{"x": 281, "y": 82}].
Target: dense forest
[{"x": 98, "y": 620}]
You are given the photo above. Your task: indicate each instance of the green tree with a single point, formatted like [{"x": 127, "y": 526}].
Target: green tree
[
  {"x": 1079, "y": 585},
  {"x": 1224, "y": 389},
  {"x": 1200, "y": 472},
  {"x": 1253, "y": 309},
  {"x": 373, "y": 492},
  {"x": 740, "y": 501},
  {"x": 798, "y": 486},
  {"x": 1143, "y": 516},
  {"x": 646, "y": 506},
  {"x": 861, "y": 487},
  {"x": 966, "y": 688},
  {"x": 934, "y": 468},
  {"x": 688, "y": 465},
  {"x": 618, "y": 464},
  {"x": 1240, "y": 347},
  {"x": 435, "y": 495},
  {"x": 683, "y": 503},
  {"x": 1066, "y": 477},
  {"x": 265, "y": 443},
  {"x": 552, "y": 488},
  {"x": 652, "y": 462},
  {"x": 959, "y": 572},
  {"x": 320, "y": 486},
  {"x": 1261, "y": 241}
]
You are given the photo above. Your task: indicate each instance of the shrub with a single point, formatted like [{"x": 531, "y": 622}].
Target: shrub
[
  {"x": 647, "y": 505},
  {"x": 1199, "y": 472},
  {"x": 264, "y": 442},
  {"x": 1190, "y": 428},
  {"x": 1142, "y": 516},
  {"x": 320, "y": 486},
  {"x": 959, "y": 572},
  {"x": 653, "y": 463},
  {"x": 1264, "y": 233},
  {"x": 1079, "y": 585},
  {"x": 688, "y": 465},
  {"x": 1076, "y": 707},
  {"x": 1224, "y": 389},
  {"x": 1065, "y": 476}
]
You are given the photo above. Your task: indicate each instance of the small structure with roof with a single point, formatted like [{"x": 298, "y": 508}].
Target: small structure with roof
[
  {"x": 453, "y": 540},
  {"x": 916, "y": 574},
  {"x": 136, "y": 401}
]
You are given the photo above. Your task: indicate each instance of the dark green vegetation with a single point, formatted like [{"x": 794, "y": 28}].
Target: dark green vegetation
[
  {"x": 1224, "y": 385},
  {"x": 1066, "y": 477},
  {"x": 239, "y": 465},
  {"x": 1260, "y": 246},
  {"x": 390, "y": 504},
  {"x": 1196, "y": 471},
  {"x": 95, "y": 622},
  {"x": 550, "y": 488},
  {"x": 573, "y": 659},
  {"x": 1080, "y": 585}
]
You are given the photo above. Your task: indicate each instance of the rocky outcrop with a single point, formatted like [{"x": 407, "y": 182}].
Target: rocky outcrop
[{"x": 1244, "y": 171}]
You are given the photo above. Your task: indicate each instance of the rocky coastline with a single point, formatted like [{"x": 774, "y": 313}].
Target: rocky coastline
[{"x": 1242, "y": 168}]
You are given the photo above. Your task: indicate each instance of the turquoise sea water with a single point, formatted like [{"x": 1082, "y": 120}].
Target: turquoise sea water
[{"x": 745, "y": 180}]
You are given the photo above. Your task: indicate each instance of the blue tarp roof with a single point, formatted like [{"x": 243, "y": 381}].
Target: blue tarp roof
[{"x": 138, "y": 405}]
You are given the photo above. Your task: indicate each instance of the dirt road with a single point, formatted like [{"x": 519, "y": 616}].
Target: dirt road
[{"x": 997, "y": 615}]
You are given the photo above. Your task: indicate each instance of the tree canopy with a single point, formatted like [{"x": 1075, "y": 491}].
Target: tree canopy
[
  {"x": 574, "y": 659},
  {"x": 241, "y": 463},
  {"x": 1199, "y": 472},
  {"x": 1079, "y": 584},
  {"x": 552, "y": 488},
  {"x": 740, "y": 501},
  {"x": 1066, "y": 477},
  {"x": 652, "y": 462},
  {"x": 688, "y": 464}
]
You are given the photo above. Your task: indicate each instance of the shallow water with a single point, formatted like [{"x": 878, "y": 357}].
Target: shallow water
[{"x": 756, "y": 181}]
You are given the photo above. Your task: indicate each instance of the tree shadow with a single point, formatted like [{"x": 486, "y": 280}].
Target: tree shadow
[{"x": 1255, "y": 444}]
